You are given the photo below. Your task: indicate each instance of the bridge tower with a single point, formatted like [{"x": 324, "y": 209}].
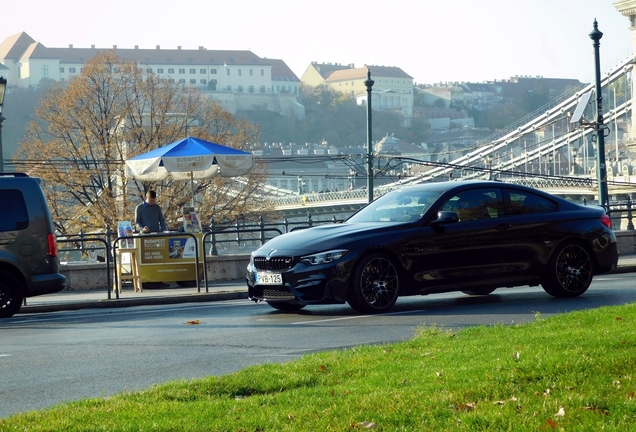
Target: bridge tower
[{"x": 628, "y": 8}]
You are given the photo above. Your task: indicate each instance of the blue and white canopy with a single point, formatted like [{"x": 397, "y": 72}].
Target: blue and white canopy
[{"x": 189, "y": 159}]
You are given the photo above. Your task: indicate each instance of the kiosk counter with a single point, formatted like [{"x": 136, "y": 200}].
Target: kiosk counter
[{"x": 169, "y": 258}]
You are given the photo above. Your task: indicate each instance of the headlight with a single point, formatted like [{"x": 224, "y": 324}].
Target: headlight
[{"x": 324, "y": 257}]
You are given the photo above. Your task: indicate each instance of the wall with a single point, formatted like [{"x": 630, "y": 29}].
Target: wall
[
  {"x": 233, "y": 267},
  {"x": 93, "y": 276}
]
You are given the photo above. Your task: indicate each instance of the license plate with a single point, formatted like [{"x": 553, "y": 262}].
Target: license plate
[{"x": 269, "y": 279}]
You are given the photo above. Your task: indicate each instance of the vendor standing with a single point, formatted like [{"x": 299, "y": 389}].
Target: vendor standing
[{"x": 148, "y": 215}]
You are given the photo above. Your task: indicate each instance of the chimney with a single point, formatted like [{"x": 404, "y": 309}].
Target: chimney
[
  {"x": 201, "y": 48},
  {"x": 158, "y": 47},
  {"x": 114, "y": 46},
  {"x": 136, "y": 46},
  {"x": 70, "y": 45},
  {"x": 178, "y": 47},
  {"x": 92, "y": 46}
]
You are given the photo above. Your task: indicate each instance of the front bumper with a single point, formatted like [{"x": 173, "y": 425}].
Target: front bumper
[{"x": 302, "y": 285}]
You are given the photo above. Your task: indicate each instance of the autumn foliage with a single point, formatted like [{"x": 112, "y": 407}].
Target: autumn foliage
[{"x": 86, "y": 128}]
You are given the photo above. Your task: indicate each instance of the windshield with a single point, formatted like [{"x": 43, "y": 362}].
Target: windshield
[{"x": 398, "y": 206}]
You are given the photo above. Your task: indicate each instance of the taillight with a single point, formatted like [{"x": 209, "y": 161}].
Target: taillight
[
  {"x": 605, "y": 220},
  {"x": 52, "y": 245}
]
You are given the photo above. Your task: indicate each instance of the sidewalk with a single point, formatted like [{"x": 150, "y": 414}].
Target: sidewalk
[
  {"x": 98, "y": 298},
  {"x": 226, "y": 290}
]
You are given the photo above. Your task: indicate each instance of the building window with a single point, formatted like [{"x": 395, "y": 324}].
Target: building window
[
  {"x": 149, "y": 70},
  {"x": 239, "y": 72},
  {"x": 181, "y": 81},
  {"x": 170, "y": 70},
  {"x": 193, "y": 71},
  {"x": 251, "y": 72},
  {"x": 181, "y": 70},
  {"x": 45, "y": 71},
  {"x": 61, "y": 70},
  {"x": 239, "y": 89},
  {"x": 262, "y": 72},
  {"x": 204, "y": 81},
  {"x": 159, "y": 70},
  {"x": 72, "y": 70},
  {"x": 228, "y": 71},
  {"x": 228, "y": 88},
  {"x": 262, "y": 89},
  {"x": 193, "y": 81},
  {"x": 203, "y": 71},
  {"x": 213, "y": 71},
  {"x": 251, "y": 89},
  {"x": 171, "y": 80}
]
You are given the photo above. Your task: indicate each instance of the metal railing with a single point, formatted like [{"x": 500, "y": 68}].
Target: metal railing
[
  {"x": 80, "y": 240},
  {"x": 245, "y": 236}
]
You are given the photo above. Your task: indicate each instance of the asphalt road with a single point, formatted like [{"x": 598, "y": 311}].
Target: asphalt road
[{"x": 49, "y": 358}]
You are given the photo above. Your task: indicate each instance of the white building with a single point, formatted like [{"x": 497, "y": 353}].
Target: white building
[{"x": 240, "y": 80}]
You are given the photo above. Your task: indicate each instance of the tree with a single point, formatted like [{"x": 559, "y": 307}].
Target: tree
[{"x": 84, "y": 131}]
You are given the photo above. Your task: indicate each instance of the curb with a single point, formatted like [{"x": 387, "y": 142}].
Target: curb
[
  {"x": 178, "y": 299},
  {"x": 147, "y": 301}
]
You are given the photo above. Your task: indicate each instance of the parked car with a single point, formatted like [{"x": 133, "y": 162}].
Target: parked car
[
  {"x": 473, "y": 237},
  {"x": 29, "y": 265}
]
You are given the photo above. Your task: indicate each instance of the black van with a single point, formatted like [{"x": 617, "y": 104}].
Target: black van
[{"x": 29, "y": 265}]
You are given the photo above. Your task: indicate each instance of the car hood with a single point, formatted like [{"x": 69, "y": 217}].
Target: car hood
[{"x": 322, "y": 238}]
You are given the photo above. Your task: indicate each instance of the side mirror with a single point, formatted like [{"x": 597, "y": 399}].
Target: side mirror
[{"x": 444, "y": 218}]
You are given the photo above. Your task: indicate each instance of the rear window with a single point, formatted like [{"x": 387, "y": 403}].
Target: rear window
[
  {"x": 528, "y": 203},
  {"x": 13, "y": 211}
]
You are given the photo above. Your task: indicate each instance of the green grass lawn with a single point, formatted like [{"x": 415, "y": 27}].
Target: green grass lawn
[{"x": 572, "y": 372}]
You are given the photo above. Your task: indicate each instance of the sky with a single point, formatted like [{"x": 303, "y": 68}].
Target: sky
[{"x": 432, "y": 41}]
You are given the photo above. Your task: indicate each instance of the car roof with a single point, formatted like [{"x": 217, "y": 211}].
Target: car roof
[{"x": 458, "y": 186}]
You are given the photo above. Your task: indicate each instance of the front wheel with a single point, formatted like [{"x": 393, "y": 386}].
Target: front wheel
[
  {"x": 11, "y": 294},
  {"x": 569, "y": 272},
  {"x": 375, "y": 284}
]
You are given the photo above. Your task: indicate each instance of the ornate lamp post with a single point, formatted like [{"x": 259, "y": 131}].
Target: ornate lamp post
[
  {"x": 601, "y": 170},
  {"x": 369, "y": 84},
  {"x": 3, "y": 89}
]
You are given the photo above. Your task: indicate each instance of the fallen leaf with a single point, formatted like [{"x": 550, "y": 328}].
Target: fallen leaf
[
  {"x": 551, "y": 423},
  {"x": 631, "y": 395},
  {"x": 546, "y": 392},
  {"x": 368, "y": 425},
  {"x": 516, "y": 356},
  {"x": 499, "y": 402},
  {"x": 618, "y": 318},
  {"x": 467, "y": 407},
  {"x": 193, "y": 322},
  {"x": 560, "y": 413}
]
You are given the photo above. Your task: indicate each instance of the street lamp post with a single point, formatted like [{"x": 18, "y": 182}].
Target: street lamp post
[
  {"x": 369, "y": 84},
  {"x": 3, "y": 89},
  {"x": 601, "y": 170}
]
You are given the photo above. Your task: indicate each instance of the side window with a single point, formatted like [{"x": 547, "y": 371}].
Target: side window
[
  {"x": 476, "y": 204},
  {"x": 518, "y": 202},
  {"x": 13, "y": 217}
]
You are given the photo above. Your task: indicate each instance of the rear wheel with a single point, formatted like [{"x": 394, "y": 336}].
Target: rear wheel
[
  {"x": 375, "y": 284},
  {"x": 11, "y": 294},
  {"x": 569, "y": 272},
  {"x": 286, "y": 307},
  {"x": 479, "y": 291}
]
